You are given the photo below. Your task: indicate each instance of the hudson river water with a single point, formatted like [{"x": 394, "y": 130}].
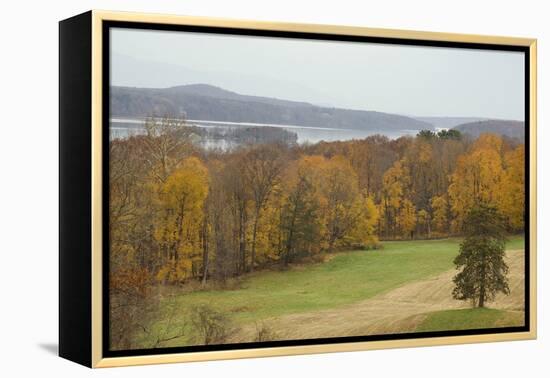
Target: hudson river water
[{"x": 124, "y": 127}]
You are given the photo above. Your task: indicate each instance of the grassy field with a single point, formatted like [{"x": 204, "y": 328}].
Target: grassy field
[
  {"x": 346, "y": 278},
  {"x": 470, "y": 319}
]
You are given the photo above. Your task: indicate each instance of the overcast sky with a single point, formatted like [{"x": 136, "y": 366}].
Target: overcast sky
[{"x": 421, "y": 81}]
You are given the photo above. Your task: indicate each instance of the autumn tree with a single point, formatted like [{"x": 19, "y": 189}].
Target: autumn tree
[
  {"x": 130, "y": 208},
  {"x": 512, "y": 202},
  {"x": 445, "y": 155},
  {"x": 238, "y": 198},
  {"x": 483, "y": 272},
  {"x": 397, "y": 210},
  {"x": 301, "y": 226},
  {"x": 341, "y": 192},
  {"x": 262, "y": 168},
  {"x": 477, "y": 178},
  {"x": 370, "y": 158},
  {"x": 423, "y": 221},
  {"x": 420, "y": 161},
  {"x": 440, "y": 211},
  {"x": 182, "y": 200},
  {"x": 132, "y": 248},
  {"x": 363, "y": 233},
  {"x": 406, "y": 219},
  {"x": 168, "y": 142},
  {"x": 224, "y": 246}
]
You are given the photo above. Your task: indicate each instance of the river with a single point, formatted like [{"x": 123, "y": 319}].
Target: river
[{"x": 124, "y": 127}]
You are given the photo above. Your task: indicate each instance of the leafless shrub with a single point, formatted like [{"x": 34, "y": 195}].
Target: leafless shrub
[
  {"x": 172, "y": 329},
  {"x": 264, "y": 332},
  {"x": 210, "y": 325}
]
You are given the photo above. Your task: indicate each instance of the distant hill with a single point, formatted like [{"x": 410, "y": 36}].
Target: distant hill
[
  {"x": 449, "y": 122},
  {"x": 512, "y": 129},
  {"x": 206, "y": 102}
]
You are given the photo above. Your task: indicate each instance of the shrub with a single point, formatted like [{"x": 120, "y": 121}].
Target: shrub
[
  {"x": 210, "y": 325},
  {"x": 132, "y": 305},
  {"x": 264, "y": 332}
]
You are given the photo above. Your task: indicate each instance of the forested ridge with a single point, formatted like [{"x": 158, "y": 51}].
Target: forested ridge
[
  {"x": 512, "y": 129},
  {"x": 207, "y": 102},
  {"x": 184, "y": 216}
]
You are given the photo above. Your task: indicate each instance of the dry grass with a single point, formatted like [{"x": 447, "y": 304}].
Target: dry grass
[{"x": 396, "y": 311}]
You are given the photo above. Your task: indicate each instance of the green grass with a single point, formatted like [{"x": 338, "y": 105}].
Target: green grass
[
  {"x": 515, "y": 242},
  {"x": 348, "y": 277},
  {"x": 475, "y": 318}
]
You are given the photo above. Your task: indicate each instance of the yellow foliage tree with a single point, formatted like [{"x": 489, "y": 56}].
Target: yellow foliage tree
[
  {"x": 477, "y": 178},
  {"x": 406, "y": 219},
  {"x": 424, "y": 222},
  {"x": 340, "y": 188},
  {"x": 268, "y": 230},
  {"x": 396, "y": 207},
  {"x": 301, "y": 221},
  {"x": 512, "y": 203},
  {"x": 440, "y": 217},
  {"x": 181, "y": 200},
  {"x": 364, "y": 230}
]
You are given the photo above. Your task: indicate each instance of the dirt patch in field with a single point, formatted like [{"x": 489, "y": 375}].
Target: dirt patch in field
[{"x": 397, "y": 311}]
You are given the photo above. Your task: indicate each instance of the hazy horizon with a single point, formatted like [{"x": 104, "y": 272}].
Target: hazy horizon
[{"x": 406, "y": 80}]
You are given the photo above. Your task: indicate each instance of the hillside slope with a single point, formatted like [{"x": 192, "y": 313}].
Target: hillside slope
[
  {"x": 512, "y": 129},
  {"x": 206, "y": 102},
  {"x": 449, "y": 122}
]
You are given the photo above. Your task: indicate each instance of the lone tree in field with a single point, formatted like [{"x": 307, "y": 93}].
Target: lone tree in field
[{"x": 481, "y": 259}]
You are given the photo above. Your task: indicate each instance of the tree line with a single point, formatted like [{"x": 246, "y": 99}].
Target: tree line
[{"x": 180, "y": 214}]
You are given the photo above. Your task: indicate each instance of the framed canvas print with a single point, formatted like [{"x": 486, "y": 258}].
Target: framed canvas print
[{"x": 236, "y": 189}]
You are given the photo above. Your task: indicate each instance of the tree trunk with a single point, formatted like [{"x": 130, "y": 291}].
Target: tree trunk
[
  {"x": 254, "y": 233},
  {"x": 242, "y": 239},
  {"x": 331, "y": 242},
  {"x": 204, "y": 252},
  {"x": 290, "y": 240},
  {"x": 481, "y": 302}
]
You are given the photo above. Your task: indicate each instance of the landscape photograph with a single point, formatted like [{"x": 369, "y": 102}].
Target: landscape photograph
[{"x": 269, "y": 189}]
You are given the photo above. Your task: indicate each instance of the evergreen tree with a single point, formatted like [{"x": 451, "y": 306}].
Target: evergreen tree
[{"x": 481, "y": 258}]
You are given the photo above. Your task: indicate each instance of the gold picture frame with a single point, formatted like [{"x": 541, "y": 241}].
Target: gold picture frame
[{"x": 90, "y": 82}]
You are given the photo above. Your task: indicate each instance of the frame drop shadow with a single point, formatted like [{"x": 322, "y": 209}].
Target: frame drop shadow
[{"x": 51, "y": 348}]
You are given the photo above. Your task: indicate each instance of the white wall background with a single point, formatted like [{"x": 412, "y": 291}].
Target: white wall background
[{"x": 28, "y": 200}]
